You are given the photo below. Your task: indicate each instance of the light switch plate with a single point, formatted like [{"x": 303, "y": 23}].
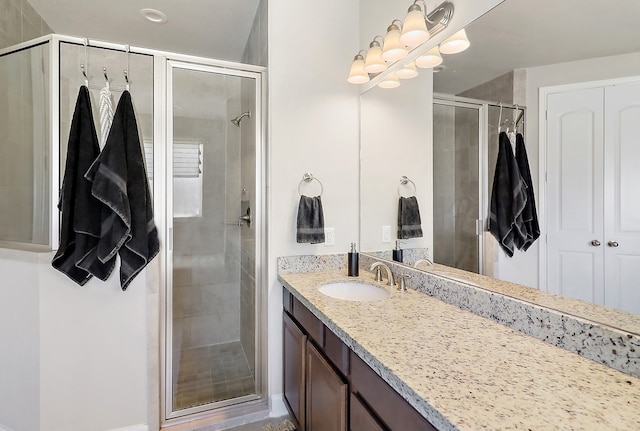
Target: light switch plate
[
  {"x": 386, "y": 233},
  {"x": 329, "y": 236}
]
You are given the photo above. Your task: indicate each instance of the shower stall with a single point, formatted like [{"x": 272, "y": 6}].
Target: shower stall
[
  {"x": 465, "y": 149},
  {"x": 201, "y": 125}
]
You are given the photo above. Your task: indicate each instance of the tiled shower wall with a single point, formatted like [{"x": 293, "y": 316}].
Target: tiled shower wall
[{"x": 20, "y": 22}]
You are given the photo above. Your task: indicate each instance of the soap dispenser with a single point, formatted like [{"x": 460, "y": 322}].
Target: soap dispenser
[
  {"x": 397, "y": 252},
  {"x": 353, "y": 264}
]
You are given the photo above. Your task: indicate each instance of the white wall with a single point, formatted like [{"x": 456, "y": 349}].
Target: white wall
[
  {"x": 73, "y": 358},
  {"x": 313, "y": 127},
  {"x": 19, "y": 342},
  {"x": 523, "y": 268}
]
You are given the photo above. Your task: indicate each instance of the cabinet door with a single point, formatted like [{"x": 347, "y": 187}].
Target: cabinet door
[
  {"x": 294, "y": 357},
  {"x": 326, "y": 394},
  {"x": 360, "y": 419},
  {"x": 575, "y": 227},
  {"x": 621, "y": 241}
]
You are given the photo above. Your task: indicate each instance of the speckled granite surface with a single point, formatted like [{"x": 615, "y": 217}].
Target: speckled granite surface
[
  {"x": 539, "y": 316},
  {"x": 465, "y": 372}
]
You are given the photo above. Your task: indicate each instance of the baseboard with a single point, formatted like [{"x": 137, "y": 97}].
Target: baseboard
[
  {"x": 140, "y": 427},
  {"x": 276, "y": 406}
]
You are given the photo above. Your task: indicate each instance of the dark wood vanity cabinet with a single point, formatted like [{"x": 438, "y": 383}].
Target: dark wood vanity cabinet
[{"x": 327, "y": 387}]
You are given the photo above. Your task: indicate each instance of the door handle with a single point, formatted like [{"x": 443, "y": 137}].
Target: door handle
[
  {"x": 245, "y": 218},
  {"x": 612, "y": 244},
  {"x": 595, "y": 243}
]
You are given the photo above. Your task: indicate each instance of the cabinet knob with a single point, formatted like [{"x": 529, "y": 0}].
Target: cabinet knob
[
  {"x": 612, "y": 244},
  {"x": 595, "y": 243}
]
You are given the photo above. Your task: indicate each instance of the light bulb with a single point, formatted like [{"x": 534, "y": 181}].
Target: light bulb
[
  {"x": 393, "y": 49},
  {"x": 357, "y": 75},
  {"x": 429, "y": 59},
  {"x": 414, "y": 28},
  {"x": 390, "y": 81},
  {"x": 456, "y": 43},
  {"x": 373, "y": 62},
  {"x": 408, "y": 71}
]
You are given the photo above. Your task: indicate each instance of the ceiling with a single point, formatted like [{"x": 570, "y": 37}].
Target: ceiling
[
  {"x": 525, "y": 33},
  {"x": 210, "y": 28}
]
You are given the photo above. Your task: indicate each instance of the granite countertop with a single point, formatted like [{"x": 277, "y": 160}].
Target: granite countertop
[{"x": 465, "y": 372}]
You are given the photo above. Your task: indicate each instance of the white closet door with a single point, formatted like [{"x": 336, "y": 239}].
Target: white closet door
[
  {"x": 575, "y": 194},
  {"x": 621, "y": 242}
]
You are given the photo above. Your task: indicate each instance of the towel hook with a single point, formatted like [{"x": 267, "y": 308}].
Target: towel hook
[
  {"x": 84, "y": 73},
  {"x": 85, "y": 42},
  {"x": 126, "y": 72},
  {"x": 404, "y": 180},
  {"x": 106, "y": 77},
  {"x": 307, "y": 178}
]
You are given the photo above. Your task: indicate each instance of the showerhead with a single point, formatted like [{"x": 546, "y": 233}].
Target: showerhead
[{"x": 236, "y": 121}]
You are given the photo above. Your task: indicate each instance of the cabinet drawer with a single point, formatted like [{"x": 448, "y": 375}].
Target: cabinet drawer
[
  {"x": 360, "y": 419},
  {"x": 310, "y": 323},
  {"x": 396, "y": 413},
  {"x": 287, "y": 300}
]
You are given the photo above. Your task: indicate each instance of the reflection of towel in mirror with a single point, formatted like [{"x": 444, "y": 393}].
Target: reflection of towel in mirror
[
  {"x": 80, "y": 230},
  {"x": 120, "y": 182},
  {"x": 310, "y": 220},
  {"x": 409, "y": 223},
  {"x": 508, "y": 199},
  {"x": 529, "y": 215}
]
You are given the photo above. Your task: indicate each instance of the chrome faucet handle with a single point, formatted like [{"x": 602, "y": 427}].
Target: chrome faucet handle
[
  {"x": 378, "y": 276},
  {"x": 402, "y": 287}
]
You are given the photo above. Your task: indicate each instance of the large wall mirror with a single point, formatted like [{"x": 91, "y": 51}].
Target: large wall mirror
[{"x": 519, "y": 51}]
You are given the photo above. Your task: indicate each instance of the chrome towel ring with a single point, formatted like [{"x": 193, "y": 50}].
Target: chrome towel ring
[
  {"x": 307, "y": 178},
  {"x": 405, "y": 181}
]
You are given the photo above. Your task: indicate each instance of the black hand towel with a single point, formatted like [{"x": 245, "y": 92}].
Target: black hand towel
[
  {"x": 529, "y": 214},
  {"x": 409, "y": 224},
  {"x": 80, "y": 230},
  {"x": 310, "y": 220},
  {"x": 120, "y": 182},
  {"x": 508, "y": 198}
]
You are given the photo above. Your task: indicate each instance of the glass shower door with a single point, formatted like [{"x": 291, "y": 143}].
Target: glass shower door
[
  {"x": 211, "y": 313},
  {"x": 456, "y": 184}
]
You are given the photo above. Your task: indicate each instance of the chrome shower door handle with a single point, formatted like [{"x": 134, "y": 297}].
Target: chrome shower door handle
[
  {"x": 595, "y": 243},
  {"x": 612, "y": 244},
  {"x": 245, "y": 218}
]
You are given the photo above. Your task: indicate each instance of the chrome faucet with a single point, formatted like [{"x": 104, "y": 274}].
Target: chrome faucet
[
  {"x": 419, "y": 261},
  {"x": 378, "y": 266}
]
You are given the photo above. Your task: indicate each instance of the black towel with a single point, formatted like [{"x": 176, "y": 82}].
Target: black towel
[
  {"x": 508, "y": 199},
  {"x": 80, "y": 230},
  {"x": 409, "y": 224},
  {"x": 310, "y": 220},
  {"x": 529, "y": 214},
  {"x": 120, "y": 182}
]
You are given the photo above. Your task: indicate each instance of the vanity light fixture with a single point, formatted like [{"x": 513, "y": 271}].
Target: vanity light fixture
[
  {"x": 429, "y": 59},
  {"x": 357, "y": 75},
  {"x": 455, "y": 43},
  {"x": 408, "y": 71},
  {"x": 390, "y": 81},
  {"x": 373, "y": 62},
  {"x": 393, "y": 49},
  {"x": 405, "y": 37}
]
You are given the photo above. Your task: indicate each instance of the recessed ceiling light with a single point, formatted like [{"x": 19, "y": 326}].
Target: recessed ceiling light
[{"x": 153, "y": 15}]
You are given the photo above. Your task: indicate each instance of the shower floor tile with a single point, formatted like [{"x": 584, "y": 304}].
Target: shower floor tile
[{"x": 208, "y": 374}]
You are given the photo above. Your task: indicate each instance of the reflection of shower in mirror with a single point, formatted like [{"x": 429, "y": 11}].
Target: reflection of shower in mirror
[{"x": 236, "y": 121}]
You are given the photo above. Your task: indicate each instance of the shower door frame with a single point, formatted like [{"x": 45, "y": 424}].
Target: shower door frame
[
  {"x": 483, "y": 137},
  {"x": 163, "y": 73}
]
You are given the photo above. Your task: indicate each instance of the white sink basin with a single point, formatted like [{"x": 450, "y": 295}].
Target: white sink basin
[{"x": 354, "y": 291}]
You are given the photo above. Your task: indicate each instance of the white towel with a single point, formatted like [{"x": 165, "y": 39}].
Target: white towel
[{"x": 106, "y": 114}]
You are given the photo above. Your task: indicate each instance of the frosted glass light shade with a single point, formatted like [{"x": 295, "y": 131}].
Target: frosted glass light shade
[
  {"x": 357, "y": 75},
  {"x": 393, "y": 49},
  {"x": 456, "y": 43},
  {"x": 390, "y": 81},
  {"x": 408, "y": 71},
  {"x": 431, "y": 58},
  {"x": 373, "y": 62},
  {"x": 414, "y": 28}
]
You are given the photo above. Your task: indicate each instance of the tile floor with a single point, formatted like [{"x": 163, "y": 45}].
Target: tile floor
[{"x": 207, "y": 374}]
